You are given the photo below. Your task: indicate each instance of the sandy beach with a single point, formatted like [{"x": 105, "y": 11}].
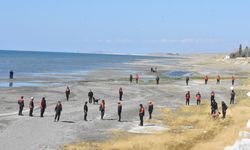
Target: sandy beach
[{"x": 24, "y": 132}]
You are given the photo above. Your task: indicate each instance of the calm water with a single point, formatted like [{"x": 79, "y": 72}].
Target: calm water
[{"x": 42, "y": 63}]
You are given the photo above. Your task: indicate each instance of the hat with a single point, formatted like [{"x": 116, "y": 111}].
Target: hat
[{"x": 32, "y": 98}]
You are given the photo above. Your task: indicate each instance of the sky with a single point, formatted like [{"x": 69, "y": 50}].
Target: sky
[{"x": 124, "y": 26}]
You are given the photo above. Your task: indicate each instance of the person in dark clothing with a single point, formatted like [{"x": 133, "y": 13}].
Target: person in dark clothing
[
  {"x": 187, "y": 80},
  {"x": 187, "y": 96},
  {"x": 11, "y": 74},
  {"x": 232, "y": 97},
  {"x": 67, "y": 92},
  {"x": 214, "y": 107},
  {"x": 120, "y": 94},
  {"x": 141, "y": 114},
  {"x": 42, "y": 106},
  {"x": 206, "y": 79},
  {"x": 212, "y": 96},
  {"x": 119, "y": 111},
  {"x": 31, "y": 106},
  {"x": 150, "y": 109},
  {"x": 198, "y": 98},
  {"x": 102, "y": 108},
  {"x": 224, "y": 109},
  {"x": 90, "y": 94},
  {"x": 21, "y": 105},
  {"x": 131, "y": 78},
  {"x": 58, "y": 110},
  {"x": 157, "y": 79},
  {"x": 85, "y": 111},
  {"x": 233, "y": 78}
]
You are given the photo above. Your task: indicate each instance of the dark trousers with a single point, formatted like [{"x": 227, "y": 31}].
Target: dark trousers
[
  {"x": 136, "y": 81},
  {"x": 67, "y": 97},
  {"x": 119, "y": 116},
  {"x": 232, "y": 82},
  {"x": 223, "y": 114},
  {"x": 186, "y": 82},
  {"x": 57, "y": 116},
  {"x": 20, "y": 111},
  {"x": 120, "y": 97},
  {"x": 85, "y": 116},
  {"x": 102, "y": 114},
  {"x": 205, "y": 81},
  {"x": 187, "y": 101},
  {"x": 157, "y": 81},
  {"x": 218, "y": 82},
  {"x": 141, "y": 120},
  {"x": 232, "y": 101},
  {"x": 150, "y": 114},
  {"x": 31, "y": 112},
  {"x": 198, "y": 102},
  {"x": 42, "y": 112},
  {"x": 213, "y": 111},
  {"x": 90, "y": 99}
]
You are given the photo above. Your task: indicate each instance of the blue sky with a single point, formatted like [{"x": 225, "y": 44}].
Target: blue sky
[{"x": 124, "y": 26}]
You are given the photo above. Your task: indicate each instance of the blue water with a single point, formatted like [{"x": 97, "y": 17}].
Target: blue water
[{"x": 25, "y": 63}]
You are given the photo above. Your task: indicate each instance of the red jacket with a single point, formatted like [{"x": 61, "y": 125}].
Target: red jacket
[{"x": 141, "y": 111}]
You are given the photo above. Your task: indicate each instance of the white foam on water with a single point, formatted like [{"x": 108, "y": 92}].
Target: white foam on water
[{"x": 243, "y": 144}]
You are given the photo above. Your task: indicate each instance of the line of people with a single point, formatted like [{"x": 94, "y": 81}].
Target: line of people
[{"x": 218, "y": 79}]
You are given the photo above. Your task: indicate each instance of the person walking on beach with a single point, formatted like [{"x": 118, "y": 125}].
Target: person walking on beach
[
  {"x": 131, "y": 78},
  {"x": 212, "y": 96},
  {"x": 218, "y": 79},
  {"x": 157, "y": 79},
  {"x": 187, "y": 80},
  {"x": 90, "y": 95},
  {"x": 224, "y": 109},
  {"x": 150, "y": 109},
  {"x": 119, "y": 111},
  {"x": 102, "y": 108},
  {"x": 21, "y": 105},
  {"x": 67, "y": 92},
  {"x": 58, "y": 110},
  {"x": 120, "y": 94},
  {"x": 42, "y": 106},
  {"x": 85, "y": 108},
  {"x": 214, "y": 107},
  {"x": 233, "y": 78},
  {"x": 198, "y": 98},
  {"x": 11, "y": 74},
  {"x": 206, "y": 79},
  {"x": 187, "y": 96},
  {"x": 141, "y": 114},
  {"x": 232, "y": 97},
  {"x": 137, "y": 78},
  {"x": 31, "y": 106}
]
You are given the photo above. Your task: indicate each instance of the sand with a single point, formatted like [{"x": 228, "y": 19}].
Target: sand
[{"x": 43, "y": 133}]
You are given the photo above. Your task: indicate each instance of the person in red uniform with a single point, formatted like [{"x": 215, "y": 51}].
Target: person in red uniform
[
  {"x": 198, "y": 98},
  {"x": 42, "y": 106},
  {"x": 233, "y": 78},
  {"x": 102, "y": 108},
  {"x": 58, "y": 110},
  {"x": 187, "y": 96},
  {"x": 206, "y": 79},
  {"x": 67, "y": 92},
  {"x": 21, "y": 105},
  {"x": 218, "y": 79},
  {"x": 141, "y": 114},
  {"x": 137, "y": 78},
  {"x": 31, "y": 106}
]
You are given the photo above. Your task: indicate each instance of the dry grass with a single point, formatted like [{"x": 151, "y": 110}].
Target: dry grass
[{"x": 189, "y": 128}]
